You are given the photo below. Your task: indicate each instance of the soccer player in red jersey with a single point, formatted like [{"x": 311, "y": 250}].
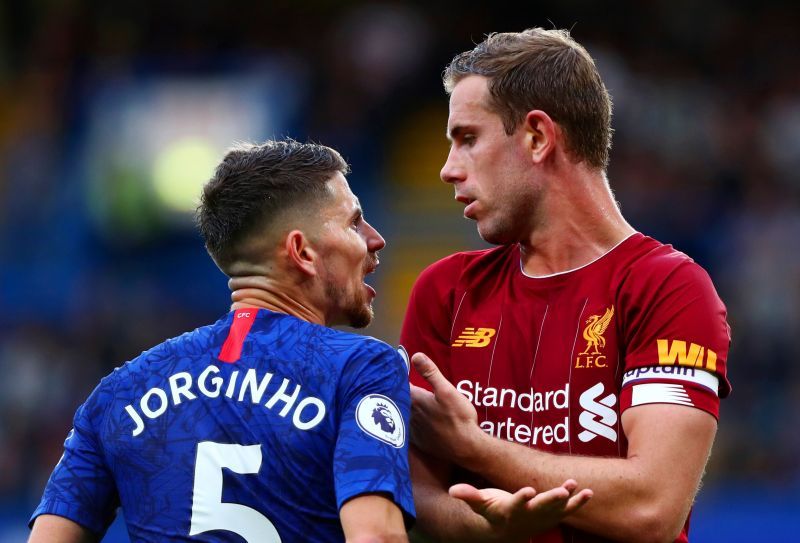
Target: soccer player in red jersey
[{"x": 576, "y": 348}]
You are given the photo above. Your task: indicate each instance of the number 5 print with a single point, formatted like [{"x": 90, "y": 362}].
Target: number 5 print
[{"x": 209, "y": 512}]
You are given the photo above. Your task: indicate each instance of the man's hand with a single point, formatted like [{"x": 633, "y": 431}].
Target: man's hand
[
  {"x": 524, "y": 513},
  {"x": 443, "y": 423}
]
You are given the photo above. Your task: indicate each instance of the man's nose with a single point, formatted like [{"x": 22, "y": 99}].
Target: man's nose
[{"x": 452, "y": 171}]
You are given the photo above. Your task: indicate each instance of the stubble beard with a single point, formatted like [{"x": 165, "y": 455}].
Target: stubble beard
[
  {"x": 511, "y": 221},
  {"x": 357, "y": 310},
  {"x": 498, "y": 232}
]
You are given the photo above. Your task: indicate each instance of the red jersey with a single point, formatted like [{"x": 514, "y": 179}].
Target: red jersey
[{"x": 552, "y": 362}]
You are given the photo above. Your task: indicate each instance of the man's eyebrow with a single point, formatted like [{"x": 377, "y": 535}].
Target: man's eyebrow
[
  {"x": 456, "y": 131},
  {"x": 358, "y": 211}
]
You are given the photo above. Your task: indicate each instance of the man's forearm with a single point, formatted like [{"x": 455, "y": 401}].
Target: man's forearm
[
  {"x": 439, "y": 516},
  {"x": 372, "y": 518},
  {"x": 645, "y": 496},
  {"x": 442, "y": 518},
  {"x": 617, "y": 483}
]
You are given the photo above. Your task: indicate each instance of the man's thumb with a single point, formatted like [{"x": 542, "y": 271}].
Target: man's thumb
[{"x": 427, "y": 369}]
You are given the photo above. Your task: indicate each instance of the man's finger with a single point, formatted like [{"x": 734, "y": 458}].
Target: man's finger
[
  {"x": 570, "y": 485},
  {"x": 470, "y": 495},
  {"x": 578, "y": 500},
  {"x": 555, "y": 497},
  {"x": 419, "y": 393},
  {"x": 463, "y": 491},
  {"x": 428, "y": 370},
  {"x": 522, "y": 496}
]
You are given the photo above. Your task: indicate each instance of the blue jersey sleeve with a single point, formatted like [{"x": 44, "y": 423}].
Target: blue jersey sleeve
[
  {"x": 81, "y": 487},
  {"x": 371, "y": 454}
]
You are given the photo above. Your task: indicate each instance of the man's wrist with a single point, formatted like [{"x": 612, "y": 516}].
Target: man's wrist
[{"x": 475, "y": 452}]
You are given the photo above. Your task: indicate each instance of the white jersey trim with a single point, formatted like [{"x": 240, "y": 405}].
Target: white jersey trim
[
  {"x": 660, "y": 393},
  {"x": 406, "y": 359},
  {"x": 522, "y": 268}
]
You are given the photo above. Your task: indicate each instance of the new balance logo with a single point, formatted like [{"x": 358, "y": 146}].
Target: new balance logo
[
  {"x": 472, "y": 337},
  {"x": 595, "y": 409}
]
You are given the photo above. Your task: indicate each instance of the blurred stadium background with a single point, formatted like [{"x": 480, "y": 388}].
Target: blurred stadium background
[{"x": 112, "y": 114}]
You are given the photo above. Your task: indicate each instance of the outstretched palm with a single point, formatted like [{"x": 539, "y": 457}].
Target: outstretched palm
[{"x": 524, "y": 513}]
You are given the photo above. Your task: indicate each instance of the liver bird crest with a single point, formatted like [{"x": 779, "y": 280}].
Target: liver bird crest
[{"x": 595, "y": 328}]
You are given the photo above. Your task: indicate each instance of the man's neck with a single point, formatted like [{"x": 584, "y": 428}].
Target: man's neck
[
  {"x": 580, "y": 222},
  {"x": 265, "y": 293}
]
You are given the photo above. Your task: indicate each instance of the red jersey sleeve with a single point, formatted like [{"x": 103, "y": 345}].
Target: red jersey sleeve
[
  {"x": 677, "y": 337},
  {"x": 428, "y": 323}
]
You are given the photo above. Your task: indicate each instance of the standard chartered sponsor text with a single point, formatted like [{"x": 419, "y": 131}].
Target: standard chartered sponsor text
[
  {"x": 530, "y": 402},
  {"x": 307, "y": 413}
]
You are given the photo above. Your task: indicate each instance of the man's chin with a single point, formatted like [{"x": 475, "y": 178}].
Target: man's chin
[
  {"x": 362, "y": 317},
  {"x": 494, "y": 237},
  {"x": 499, "y": 231}
]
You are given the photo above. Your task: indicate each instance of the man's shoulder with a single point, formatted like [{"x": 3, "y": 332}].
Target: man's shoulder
[
  {"x": 190, "y": 344},
  {"x": 342, "y": 344},
  {"x": 656, "y": 261},
  {"x": 358, "y": 341},
  {"x": 371, "y": 348},
  {"x": 352, "y": 352},
  {"x": 659, "y": 271},
  {"x": 467, "y": 264}
]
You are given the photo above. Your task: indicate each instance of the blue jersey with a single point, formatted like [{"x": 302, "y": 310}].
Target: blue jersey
[{"x": 256, "y": 428}]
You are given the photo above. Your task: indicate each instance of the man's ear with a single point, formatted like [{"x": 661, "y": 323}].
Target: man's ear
[
  {"x": 541, "y": 133},
  {"x": 300, "y": 254}
]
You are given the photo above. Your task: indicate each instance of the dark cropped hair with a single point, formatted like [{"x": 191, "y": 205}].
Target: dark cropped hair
[
  {"x": 545, "y": 70},
  {"x": 255, "y": 183}
]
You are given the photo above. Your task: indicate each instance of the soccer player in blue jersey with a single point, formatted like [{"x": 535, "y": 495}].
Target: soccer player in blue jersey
[{"x": 267, "y": 425}]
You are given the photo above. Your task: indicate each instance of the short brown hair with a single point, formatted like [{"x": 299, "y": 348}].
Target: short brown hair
[
  {"x": 254, "y": 183},
  {"x": 546, "y": 70}
]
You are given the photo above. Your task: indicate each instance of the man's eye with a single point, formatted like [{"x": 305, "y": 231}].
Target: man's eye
[{"x": 469, "y": 139}]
